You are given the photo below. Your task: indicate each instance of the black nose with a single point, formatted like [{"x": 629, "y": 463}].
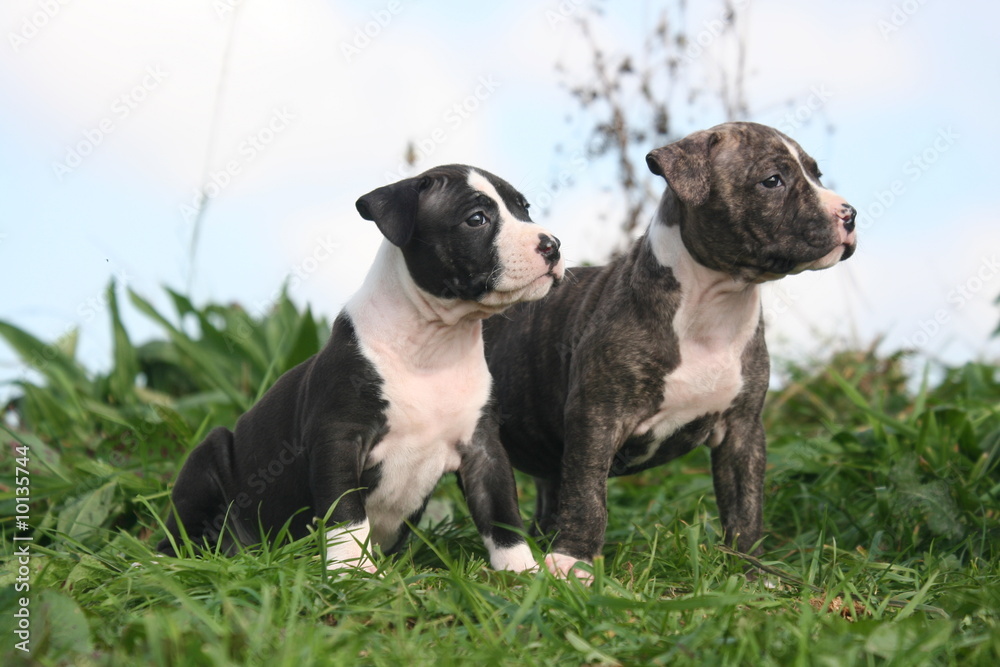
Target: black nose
[
  {"x": 548, "y": 247},
  {"x": 848, "y": 213}
]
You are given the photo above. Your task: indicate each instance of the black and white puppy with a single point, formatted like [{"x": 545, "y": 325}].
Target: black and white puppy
[
  {"x": 399, "y": 396},
  {"x": 635, "y": 363}
]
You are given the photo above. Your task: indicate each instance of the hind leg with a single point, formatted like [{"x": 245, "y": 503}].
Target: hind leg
[{"x": 199, "y": 497}]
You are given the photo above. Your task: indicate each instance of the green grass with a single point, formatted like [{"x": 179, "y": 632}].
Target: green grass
[{"x": 882, "y": 515}]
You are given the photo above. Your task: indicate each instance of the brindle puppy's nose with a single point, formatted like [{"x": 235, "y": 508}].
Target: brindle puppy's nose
[
  {"x": 548, "y": 247},
  {"x": 848, "y": 213}
]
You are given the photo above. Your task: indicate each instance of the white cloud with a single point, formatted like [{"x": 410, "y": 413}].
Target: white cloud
[{"x": 284, "y": 55}]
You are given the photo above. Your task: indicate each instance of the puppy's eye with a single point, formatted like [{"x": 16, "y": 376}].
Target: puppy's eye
[
  {"x": 477, "y": 220},
  {"x": 525, "y": 204},
  {"x": 772, "y": 181}
]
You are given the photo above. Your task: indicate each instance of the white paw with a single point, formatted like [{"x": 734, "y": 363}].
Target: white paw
[
  {"x": 358, "y": 561},
  {"x": 517, "y": 558},
  {"x": 563, "y": 566},
  {"x": 345, "y": 548},
  {"x": 345, "y": 567}
]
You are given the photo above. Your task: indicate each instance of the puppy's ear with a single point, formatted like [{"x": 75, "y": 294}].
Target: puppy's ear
[
  {"x": 686, "y": 166},
  {"x": 393, "y": 208}
]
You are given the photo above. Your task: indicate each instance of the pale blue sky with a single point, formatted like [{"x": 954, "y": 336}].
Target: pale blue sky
[{"x": 335, "y": 124}]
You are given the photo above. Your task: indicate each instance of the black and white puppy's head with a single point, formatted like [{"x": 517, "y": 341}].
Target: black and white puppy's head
[
  {"x": 466, "y": 234},
  {"x": 750, "y": 203}
]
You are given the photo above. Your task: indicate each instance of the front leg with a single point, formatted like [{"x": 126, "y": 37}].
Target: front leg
[
  {"x": 487, "y": 480},
  {"x": 738, "y": 466},
  {"x": 338, "y": 496},
  {"x": 582, "y": 516}
]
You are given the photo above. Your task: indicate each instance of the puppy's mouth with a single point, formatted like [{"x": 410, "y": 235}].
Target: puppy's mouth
[
  {"x": 832, "y": 258},
  {"x": 530, "y": 291}
]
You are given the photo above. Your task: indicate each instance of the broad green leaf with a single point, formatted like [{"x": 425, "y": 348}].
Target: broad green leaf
[
  {"x": 89, "y": 572},
  {"x": 202, "y": 360},
  {"x": 590, "y": 653},
  {"x": 45, "y": 358},
  {"x": 896, "y": 640},
  {"x": 61, "y": 629},
  {"x": 305, "y": 342},
  {"x": 862, "y": 404},
  {"x": 126, "y": 368},
  {"x": 39, "y": 453},
  {"x": 87, "y": 514}
]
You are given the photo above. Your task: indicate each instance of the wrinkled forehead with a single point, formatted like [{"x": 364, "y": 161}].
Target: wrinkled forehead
[
  {"x": 456, "y": 188},
  {"x": 740, "y": 140},
  {"x": 500, "y": 191}
]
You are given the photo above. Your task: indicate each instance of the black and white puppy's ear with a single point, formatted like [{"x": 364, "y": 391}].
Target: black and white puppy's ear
[
  {"x": 686, "y": 164},
  {"x": 394, "y": 208}
]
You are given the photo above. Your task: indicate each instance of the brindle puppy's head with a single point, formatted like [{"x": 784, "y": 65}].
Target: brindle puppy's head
[{"x": 750, "y": 203}]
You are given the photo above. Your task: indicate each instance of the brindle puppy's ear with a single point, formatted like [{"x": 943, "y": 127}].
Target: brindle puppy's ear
[
  {"x": 686, "y": 166},
  {"x": 393, "y": 208}
]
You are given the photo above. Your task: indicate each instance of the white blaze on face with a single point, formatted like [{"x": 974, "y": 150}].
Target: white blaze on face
[
  {"x": 832, "y": 204},
  {"x": 524, "y": 275}
]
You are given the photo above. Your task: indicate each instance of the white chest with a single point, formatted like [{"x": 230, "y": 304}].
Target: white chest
[
  {"x": 714, "y": 322},
  {"x": 707, "y": 381},
  {"x": 430, "y": 415}
]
